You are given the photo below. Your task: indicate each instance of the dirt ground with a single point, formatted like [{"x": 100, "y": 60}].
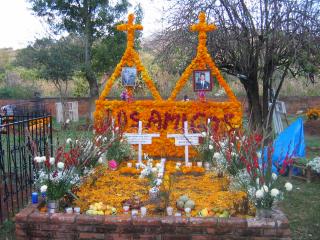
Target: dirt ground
[{"x": 312, "y": 127}]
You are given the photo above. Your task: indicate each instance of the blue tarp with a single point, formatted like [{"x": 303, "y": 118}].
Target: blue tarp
[{"x": 289, "y": 143}]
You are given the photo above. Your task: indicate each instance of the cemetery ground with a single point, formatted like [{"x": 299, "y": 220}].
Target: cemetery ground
[{"x": 301, "y": 206}]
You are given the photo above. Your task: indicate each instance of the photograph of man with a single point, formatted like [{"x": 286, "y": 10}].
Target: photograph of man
[
  {"x": 202, "y": 81},
  {"x": 128, "y": 76}
]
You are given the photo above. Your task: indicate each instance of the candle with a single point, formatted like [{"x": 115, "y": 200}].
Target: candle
[
  {"x": 34, "y": 198},
  {"x": 169, "y": 211},
  {"x": 199, "y": 164},
  {"x": 134, "y": 212},
  {"x": 189, "y": 164},
  {"x": 163, "y": 161},
  {"x": 143, "y": 211},
  {"x": 177, "y": 214},
  {"x": 129, "y": 164},
  {"x": 76, "y": 210},
  {"x": 126, "y": 209},
  {"x": 69, "y": 210},
  {"x": 207, "y": 165},
  {"x": 137, "y": 165}
]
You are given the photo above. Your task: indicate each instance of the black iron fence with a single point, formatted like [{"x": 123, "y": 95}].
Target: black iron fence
[{"x": 17, "y": 136}]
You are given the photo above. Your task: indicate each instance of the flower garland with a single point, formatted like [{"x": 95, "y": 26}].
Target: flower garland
[{"x": 130, "y": 58}]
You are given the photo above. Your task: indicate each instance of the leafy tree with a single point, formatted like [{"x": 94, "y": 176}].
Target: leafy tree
[
  {"x": 254, "y": 40},
  {"x": 56, "y": 61},
  {"x": 89, "y": 19}
]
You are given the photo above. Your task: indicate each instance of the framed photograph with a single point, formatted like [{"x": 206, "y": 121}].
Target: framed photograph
[
  {"x": 128, "y": 76},
  {"x": 202, "y": 80}
]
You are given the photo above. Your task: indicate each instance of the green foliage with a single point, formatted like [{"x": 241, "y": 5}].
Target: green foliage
[
  {"x": 119, "y": 151},
  {"x": 108, "y": 51},
  {"x": 81, "y": 85},
  {"x": 90, "y": 20},
  {"x": 17, "y": 92}
]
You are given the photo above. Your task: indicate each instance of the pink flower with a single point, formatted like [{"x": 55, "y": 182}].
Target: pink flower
[{"x": 113, "y": 165}]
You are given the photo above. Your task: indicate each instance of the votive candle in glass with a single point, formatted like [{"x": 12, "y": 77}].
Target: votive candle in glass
[
  {"x": 143, "y": 211},
  {"x": 134, "y": 212},
  {"x": 169, "y": 211},
  {"x": 76, "y": 210},
  {"x": 129, "y": 164},
  {"x": 69, "y": 210},
  {"x": 199, "y": 164},
  {"x": 126, "y": 209}
]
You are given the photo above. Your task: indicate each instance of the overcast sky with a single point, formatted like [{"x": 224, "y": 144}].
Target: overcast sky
[{"x": 19, "y": 27}]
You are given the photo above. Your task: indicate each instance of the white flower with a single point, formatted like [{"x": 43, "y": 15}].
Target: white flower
[
  {"x": 52, "y": 160},
  {"x": 274, "y": 192},
  {"x": 60, "y": 165},
  {"x": 265, "y": 188},
  {"x": 158, "y": 182},
  {"x": 259, "y": 194},
  {"x": 274, "y": 176},
  {"x": 154, "y": 169},
  {"x": 204, "y": 134},
  {"x": 43, "y": 188},
  {"x": 216, "y": 155},
  {"x": 37, "y": 159},
  {"x": 43, "y": 158},
  {"x": 288, "y": 186},
  {"x": 69, "y": 140},
  {"x": 68, "y": 121},
  {"x": 257, "y": 181},
  {"x": 259, "y": 155},
  {"x": 210, "y": 147},
  {"x": 158, "y": 165},
  {"x": 100, "y": 160},
  {"x": 178, "y": 164},
  {"x": 160, "y": 175}
]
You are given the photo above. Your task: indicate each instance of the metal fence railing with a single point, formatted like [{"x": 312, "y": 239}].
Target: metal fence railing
[{"x": 17, "y": 133}]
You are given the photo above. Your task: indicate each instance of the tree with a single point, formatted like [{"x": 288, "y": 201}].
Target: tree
[
  {"x": 254, "y": 40},
  {"x": 89, "y": 19},
  {"x": 56, "y": 61}
]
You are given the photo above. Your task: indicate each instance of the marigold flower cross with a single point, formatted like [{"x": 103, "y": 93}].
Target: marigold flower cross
[
  {"x": 202, "y": 27},
  {"x": 130, "y": 27}
]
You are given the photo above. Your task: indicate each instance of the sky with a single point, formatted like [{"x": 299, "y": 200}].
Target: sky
[{"x": 19, "y": 27}]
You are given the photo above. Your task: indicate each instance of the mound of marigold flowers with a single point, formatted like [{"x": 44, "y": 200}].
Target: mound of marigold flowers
[{"x": 207, "y": 190}]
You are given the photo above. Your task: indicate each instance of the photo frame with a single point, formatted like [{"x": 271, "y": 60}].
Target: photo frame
[
  {"x": 202, "y": 81},
  {"x": 128, "y": 76}
]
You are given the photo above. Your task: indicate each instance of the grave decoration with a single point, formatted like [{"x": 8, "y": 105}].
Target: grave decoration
[
  {"x": 101, "y": 178},
  {"x": 167, "y": 116}
]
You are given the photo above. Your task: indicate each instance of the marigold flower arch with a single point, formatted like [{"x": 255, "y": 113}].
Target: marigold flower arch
[{"x": 167, "y": 116}]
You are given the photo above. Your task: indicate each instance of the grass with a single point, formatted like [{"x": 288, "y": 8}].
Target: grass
[{"x": 302, "y": 207}]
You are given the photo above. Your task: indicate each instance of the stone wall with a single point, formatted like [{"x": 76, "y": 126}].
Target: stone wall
[{"x": 31, "y": 224}]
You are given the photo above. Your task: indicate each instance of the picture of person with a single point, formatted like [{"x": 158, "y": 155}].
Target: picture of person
[
  {"x": 202, "y": 81},
  {"x": 128, "y": 76}
]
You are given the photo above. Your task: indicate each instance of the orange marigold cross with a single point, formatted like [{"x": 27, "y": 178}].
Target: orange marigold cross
[
  {"x": 130, "y": 27},
  {"x": 202, "y": 27}
]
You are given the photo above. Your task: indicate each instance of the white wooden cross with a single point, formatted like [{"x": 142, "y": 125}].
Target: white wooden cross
[
  {"x": 186, "y": 140},
  {"x": 140, "y": 139}
]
